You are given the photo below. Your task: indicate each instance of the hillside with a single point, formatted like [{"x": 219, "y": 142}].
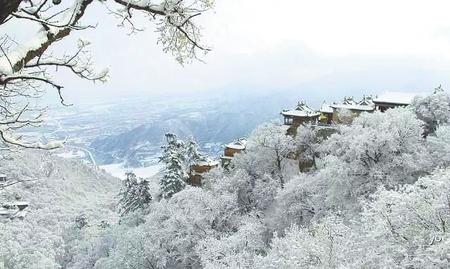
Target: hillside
[
  {"x": 212, "y": 121},
  {"x": 58, "y": 192}
]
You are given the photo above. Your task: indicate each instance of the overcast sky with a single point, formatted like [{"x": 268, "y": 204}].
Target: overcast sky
[{"x": 338, "y": 47}]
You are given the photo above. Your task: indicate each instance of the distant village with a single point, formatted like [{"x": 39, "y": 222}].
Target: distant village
[{"x": 328, "y": 115}]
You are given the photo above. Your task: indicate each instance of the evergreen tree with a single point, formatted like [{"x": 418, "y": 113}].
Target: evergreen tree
[
  {"x": 192, "y": 153},
  {"x": 172, "y": 157},
  {"x": 134, "y": 195},
  {"x": 178, "y": 157}
]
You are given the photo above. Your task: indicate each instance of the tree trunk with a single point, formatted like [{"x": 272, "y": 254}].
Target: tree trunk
[{"x": 7, "y": 7}]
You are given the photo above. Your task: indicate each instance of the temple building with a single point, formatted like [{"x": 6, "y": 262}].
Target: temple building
[
  {"x": 348, "y": 109},
  {"x": 199, "y": 169},
  {"x": 326, "y": 114},
  {"x": 301, "y": 114},
  {"x": 13, "y": 210},
  {"x": 231, "y": 149},
  {"x": 389, "y": 100}
]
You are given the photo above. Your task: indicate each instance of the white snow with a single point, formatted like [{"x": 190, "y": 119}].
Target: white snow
[
  {"x": 208, "y": 162},
  {"x": 118, "y": 170},
  {"x": 149, "y": 4},
  {"x": 298, "y": 113},
  {"x": 404, "y": 98},
  {"x": 19, "y": 52},
  {"x": 21, "y": 203},
  {"x": 302, "y": 110},
  {"x": 326, "y": 108},
  {"x": 72, "y": 154},
  {"x": 349, "y": 101},
  {"x": 353, "y": 107},
  {"x": 238, "y": 144},
  {"x": 14, "y": 140},
  {"x": 366, "y": 100}
]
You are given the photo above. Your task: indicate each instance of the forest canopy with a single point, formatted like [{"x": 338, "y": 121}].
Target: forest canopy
[{"x": 375, "y": 196}]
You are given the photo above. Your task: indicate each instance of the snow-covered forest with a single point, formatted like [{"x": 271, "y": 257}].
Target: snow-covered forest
[
  {"x": 376, "y": 196},
  {"x": 343, "y": 189}
]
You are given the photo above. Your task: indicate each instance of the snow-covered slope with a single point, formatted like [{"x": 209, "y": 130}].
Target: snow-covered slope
[{"x": 58, "y": 191}]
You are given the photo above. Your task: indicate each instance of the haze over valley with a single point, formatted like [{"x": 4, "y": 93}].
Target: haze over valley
[{"x": 127, "y": 135}]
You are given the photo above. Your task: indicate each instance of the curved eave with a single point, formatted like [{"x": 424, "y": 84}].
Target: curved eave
[
  {"x": 235, "y": 147},
  {"x": 358, "y": 108},
  {"x": 391, "y": 103},
  {"x": 293, "y": 114}
]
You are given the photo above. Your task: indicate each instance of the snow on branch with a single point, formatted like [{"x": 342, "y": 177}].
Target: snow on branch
[
  {"x": 179, "y": 34},
  {"x": 68, "y": 19},
  {"x": 27, "y": 68}
]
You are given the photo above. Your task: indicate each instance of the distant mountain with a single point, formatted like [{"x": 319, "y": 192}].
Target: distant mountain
[
  {"x": 212, "y": 122},
  {"x": 131, "y": 130}
]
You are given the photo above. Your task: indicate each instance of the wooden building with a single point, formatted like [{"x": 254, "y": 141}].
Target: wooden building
[
  {"x": 367, "y": 100},
  {"x": 389, "y": 100},
  {"x": 326, "y": 114},
  {"x": 13, "y": 210},
  {"x": 348, "y": 109},
  {"x": 231, "y": 149},
  {"x": 199, "y": 169},
  {"x": 301, "y": 114}
]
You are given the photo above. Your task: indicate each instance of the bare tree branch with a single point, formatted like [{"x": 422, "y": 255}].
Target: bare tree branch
[
  {"x": 27, "y": 69},
  {"x": 8, "y": 7}
]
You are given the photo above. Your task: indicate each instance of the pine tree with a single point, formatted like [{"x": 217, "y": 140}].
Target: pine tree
[
  {"x": 134, "y": 195},
  {"x": 172, "y": 157},
  {"x": 192, "y": 154},
  {"x": 178, "y": 157}
]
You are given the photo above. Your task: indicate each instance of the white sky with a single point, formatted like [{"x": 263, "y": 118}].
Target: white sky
[{"x": 329, "y": 45}]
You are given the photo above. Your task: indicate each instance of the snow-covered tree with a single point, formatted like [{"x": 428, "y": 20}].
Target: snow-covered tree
[
  {"x": 404, "y": 228},
  {"x": 345, "y": 116},
  {"x": 433, "y": 109},
  {"x": 81, "y": 221},
  {"x": 173, "y": 158},
  {"x": 252, "y": 193},
  {"x": 192, "y": 153},
  {"x": 384, "y": 149},
  {"x": 439, "y": 146},
  {"x": 47, "y": 236},
  {"x": 27, "y": 68},
  {"x": 307, "y": 147},
  {"x": 234, "y": 250},
  {"x": 301, "y": 201},
  {"x": 411, "y": 226},
  {"x": 324, "y": 244},
  {"x": 375, "y": 200},
  {"x": 268, "y": 151},
  {"x": 173, "y": 230},
  {"x": 178, "y": 157},
  {"x": 135, "y": 194}
]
